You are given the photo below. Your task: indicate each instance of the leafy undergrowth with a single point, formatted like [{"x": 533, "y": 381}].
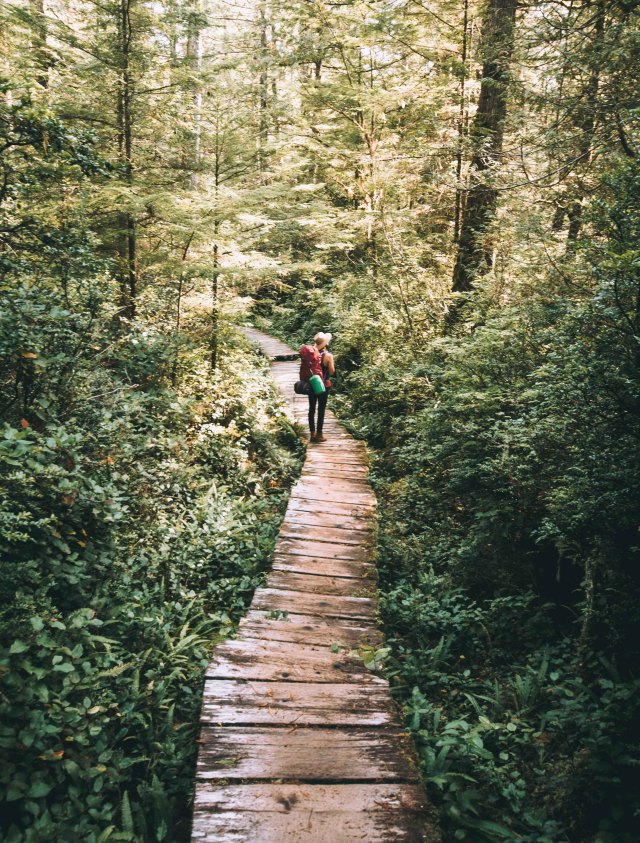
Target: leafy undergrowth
[
  {"x": 507, "y": 469},
  {"x": 135, "y": 522},
  {"x": 509, "y": 580}
]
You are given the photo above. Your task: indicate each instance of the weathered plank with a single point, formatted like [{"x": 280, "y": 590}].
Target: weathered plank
[
  {"x": 321, "y": 584},
  {"x": 334, "y": 462},
  {"x": 337, "y": 484},
  {"x": 325, "y": 454},
  {"x": 233, "y": 702},
  {"x": 342, "y": 754},
  {"x": 323, "y": 550},
  {"x": 321, "y": 532},
  {"x": 344, "y": 813},
  {"x": 334, "y": 474},
  {"x": 306, "y": 502},
  {"x": 328, "y": 567},
  {"x": 345, "y": 523},
  {"x": 309, "y": 629},
  {"x": 277, "y": 660},
  {"x": 324, "y": 605}
]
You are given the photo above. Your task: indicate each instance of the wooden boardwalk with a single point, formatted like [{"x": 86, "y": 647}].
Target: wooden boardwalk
[{"x": 299, "y": 741}]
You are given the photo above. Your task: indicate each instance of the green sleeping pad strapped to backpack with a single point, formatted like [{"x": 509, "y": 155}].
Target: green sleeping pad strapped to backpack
[{"x": 317, "y": 384}]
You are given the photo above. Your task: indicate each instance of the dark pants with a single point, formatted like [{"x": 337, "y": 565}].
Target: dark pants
[{"x": 321, "y": 401}]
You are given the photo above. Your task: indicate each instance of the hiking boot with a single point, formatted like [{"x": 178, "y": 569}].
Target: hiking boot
[
  {"x": 319, "y": 438},
  {"x": 313, "y": 437}
]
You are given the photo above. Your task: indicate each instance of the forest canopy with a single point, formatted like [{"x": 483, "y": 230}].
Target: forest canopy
[{"x": 453, "y": 190}]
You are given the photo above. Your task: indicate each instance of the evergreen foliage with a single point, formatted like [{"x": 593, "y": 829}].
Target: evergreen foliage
[{"x": 461, "y": 211}]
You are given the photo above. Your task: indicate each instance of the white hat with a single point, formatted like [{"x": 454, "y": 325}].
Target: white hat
[{"x": 326, "y": 338}]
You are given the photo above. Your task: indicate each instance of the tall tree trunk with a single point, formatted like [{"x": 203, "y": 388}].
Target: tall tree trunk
[
  {"x": 40, "y": 53},
  {"x": 174, "y": 368},
  {"x": 462, "y": 123},
  {"x": 584, "y": 120},
  {"x": 215, "y": 316},
  {"x": 263, "y": 89},
  {"x": 498, "y": 29},
  {"x": 127, "y": 247},
  {"x": 194, "y": 58}
]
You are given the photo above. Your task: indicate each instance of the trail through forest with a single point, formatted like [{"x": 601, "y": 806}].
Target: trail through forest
[
  {"x": 299, "y": 739},
  {"x": 452, "y": 190}
]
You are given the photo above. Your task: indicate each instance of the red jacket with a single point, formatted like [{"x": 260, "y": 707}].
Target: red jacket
[{"x": 310, "y": 365}]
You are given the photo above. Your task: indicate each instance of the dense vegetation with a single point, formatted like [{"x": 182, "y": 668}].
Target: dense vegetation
[
  {"x": 453, "y": 190},
  {"x": 136, "y": 521},
  {"x": 508, "y": 467}
]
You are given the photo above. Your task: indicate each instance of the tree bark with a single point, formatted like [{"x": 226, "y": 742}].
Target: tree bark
[
  {"x": 215, "y": 316},
  {"x": 194, "y": 58},
  {"x": 462, "y": 124},
  {"x": 127, "y": 246},
  {"x": 585, "y": 122},
  {"x": 263, "y": 90},
  {"x": 487, "y": 133},
  {"x": 41, "y": 54}
]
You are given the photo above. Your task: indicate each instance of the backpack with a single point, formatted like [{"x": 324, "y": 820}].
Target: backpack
[{"x": 310, "y": 362}]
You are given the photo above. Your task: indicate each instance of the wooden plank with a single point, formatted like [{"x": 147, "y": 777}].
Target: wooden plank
[
  {"x": 234, "y": 702},
  {"x": 323, "y": 495},
  {"x": 305, "y": 754},
  {"x": 330, "y": 567},
  {"x": 272, "y": 599},
  {"x": 309, "y": 629},
  {"x": 344, "y": 523},
  {"x": 338, "y": 510},
  {"x": 271, "y": 660},
  {"x": 305, "y": 501},
  {"x": 321, "y": 532},
  {"x": 291, "y": 813},
  {"x": 333, "y": 491},
  {"x": 334, "y": 462},
  {"x": 339, "y": 484},
  {"x": 354, "y": 475},
  {"x": 321, "y": 584},
  {"x": 341, "y": 527},
  {"x": 323, "y": 550},
  {"x": 332, "y": 473}
]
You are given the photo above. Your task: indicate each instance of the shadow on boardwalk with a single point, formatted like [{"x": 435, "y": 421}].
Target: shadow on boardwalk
[{"x": 299, "y": 741}]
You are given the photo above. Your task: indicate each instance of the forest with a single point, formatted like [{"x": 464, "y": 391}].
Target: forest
[{"x": 452, "y": 189}]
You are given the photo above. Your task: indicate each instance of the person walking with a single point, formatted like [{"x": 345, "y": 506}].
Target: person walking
[{"x": 321, "y": 342}]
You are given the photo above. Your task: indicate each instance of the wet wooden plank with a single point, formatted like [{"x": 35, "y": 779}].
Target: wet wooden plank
[
  {"x": 291, "y": 813},
  {"x": 266, "y": 659},
  {"x": 323, "y": 550},
  {"x": 305, "y": 754},
  {"x": 272, "y": 599},
  {"x": 321, "y": 584},
  {"x": 235, "y": 702},
  {"x": 309, "y": 629}
]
